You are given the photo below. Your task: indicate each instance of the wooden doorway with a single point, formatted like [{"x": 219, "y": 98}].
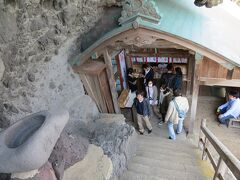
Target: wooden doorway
[{"x": 94, "y": 77}]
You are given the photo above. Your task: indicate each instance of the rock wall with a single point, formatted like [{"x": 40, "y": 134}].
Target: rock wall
[
  {"x": 117, "y": 139},
  {"x": 37, "y": 38}
]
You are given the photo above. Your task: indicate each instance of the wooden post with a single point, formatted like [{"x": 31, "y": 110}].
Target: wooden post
[
  {"x": 196, "y": 72},
  {"x": 108, "y": 62},
  {"x": 189, "y": 74},
  {"x": 221, "y": 169},
  {"x": 128, "y": 60},
  {"x": 230, "y": 74},
  {"x": 201, "y": 135}
]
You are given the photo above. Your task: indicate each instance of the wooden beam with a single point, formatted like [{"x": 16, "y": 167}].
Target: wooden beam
[
  {"x": 110, "y": 75},
  {"x": 198, "y": 60},
  {"x": 184, "y": 55},
  {"x": 219, "y": 82},
  {"x": 124, "y": 33}
]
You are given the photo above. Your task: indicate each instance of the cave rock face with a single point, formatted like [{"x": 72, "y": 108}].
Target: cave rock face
[{"x": 37, "y": 40}]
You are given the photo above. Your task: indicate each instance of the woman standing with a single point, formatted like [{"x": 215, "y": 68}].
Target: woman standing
[
  {"x": 178, "y": 79},
  {"x": 132, "y": 81}
]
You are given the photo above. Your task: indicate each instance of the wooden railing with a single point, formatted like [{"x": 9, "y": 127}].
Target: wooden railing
[{"x": 226, "y": 159}]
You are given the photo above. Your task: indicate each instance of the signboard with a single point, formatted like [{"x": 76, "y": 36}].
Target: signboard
[
  {"x": 123, "y": 69},
  {"x": 180, "y": 60}
]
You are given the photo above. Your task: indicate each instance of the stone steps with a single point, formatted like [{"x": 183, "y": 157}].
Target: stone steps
[
  {"x": 166, "y": 157},
  {"x": 165, "y": 144},
  {"x": 163, "y": 173},
  {"x": 165, "y": 151},
  {"x": 131, "y": 175},
  {"x": 159, "y": 158}
]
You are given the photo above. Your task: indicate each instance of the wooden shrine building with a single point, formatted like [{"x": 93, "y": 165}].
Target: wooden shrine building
[{"x": 204, "y": 42}]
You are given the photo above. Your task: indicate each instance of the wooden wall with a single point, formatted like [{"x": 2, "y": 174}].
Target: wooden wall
[
  {"x": 236, "y": 73},
  {"x": 211, "y": 69}
]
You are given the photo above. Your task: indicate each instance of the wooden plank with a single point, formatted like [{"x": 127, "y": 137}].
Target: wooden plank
[
  {"x": 229, "y": 74},
  {"x": 105, "y": 91},
  {"x": 212, "y": 69},
  {"x": 236, "y": 73},
  {"x": 110, "y": 75},
  {"x": 99, "y": 94},
  {"x": 204, "y": 67},
  {"x": 219, "y": 82},
  {"x": 194, "y": 95},
  {"x": 89, "y": 90},
  {"x": 90, "y": 67}
]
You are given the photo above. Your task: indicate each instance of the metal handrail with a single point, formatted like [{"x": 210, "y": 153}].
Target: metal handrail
[{"x": 225, "y": 155}]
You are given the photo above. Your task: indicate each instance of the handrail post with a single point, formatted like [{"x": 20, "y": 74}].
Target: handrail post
[
  {"x": 221, "y": 169},
  {"x": 201, "y": 134},
  {"x": 206, "y": 144},
  {"x": 203, "y": 123}
]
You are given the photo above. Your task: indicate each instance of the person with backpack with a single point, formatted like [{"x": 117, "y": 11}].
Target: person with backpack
[
  {"x": 167, "y": 78},
  {"x": 176, "y": 114}
]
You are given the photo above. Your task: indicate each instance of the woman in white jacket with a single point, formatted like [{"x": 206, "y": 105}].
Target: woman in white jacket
[{"x": 176, "y": 113}]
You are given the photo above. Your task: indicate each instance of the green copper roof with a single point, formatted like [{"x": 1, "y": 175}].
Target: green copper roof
[{"x": 213, "y": 28}]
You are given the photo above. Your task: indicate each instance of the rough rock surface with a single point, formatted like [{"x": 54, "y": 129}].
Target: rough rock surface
[
  {"x": 46, "y": 172},
  {"x": 37, "y": 39},
  {"x": 69, "y": 149},
  {"x": 95, "y": 165},
  {"x": 35, "y": 49},
  {"x": 117, "y": 139},
  {"x": 73, "y": 142}
]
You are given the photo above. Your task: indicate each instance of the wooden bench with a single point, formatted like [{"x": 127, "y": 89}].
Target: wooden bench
[{"x": 234, "y": 123}]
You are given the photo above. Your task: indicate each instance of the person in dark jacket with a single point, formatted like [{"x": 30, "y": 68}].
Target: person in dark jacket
[
  {"x": 167, "y": 78},
  {"x": 178, "y": 79},
  {"x": 143, "y": 112},
  {"x": 132, "y": 81},
  {"x": 148, "y": 74},
  {"x": 165, "y": 97}
]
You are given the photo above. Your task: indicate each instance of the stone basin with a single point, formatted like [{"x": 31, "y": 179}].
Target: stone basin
[{"x": 27, "y": 144}]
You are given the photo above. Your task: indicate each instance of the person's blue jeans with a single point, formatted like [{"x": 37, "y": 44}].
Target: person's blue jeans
[
  {"x": 171, "y": 131},
  {"x": 224, "y": 120}
]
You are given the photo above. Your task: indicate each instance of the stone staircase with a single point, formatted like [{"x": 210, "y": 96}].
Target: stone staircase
[{"x": 158, "y": 158}]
